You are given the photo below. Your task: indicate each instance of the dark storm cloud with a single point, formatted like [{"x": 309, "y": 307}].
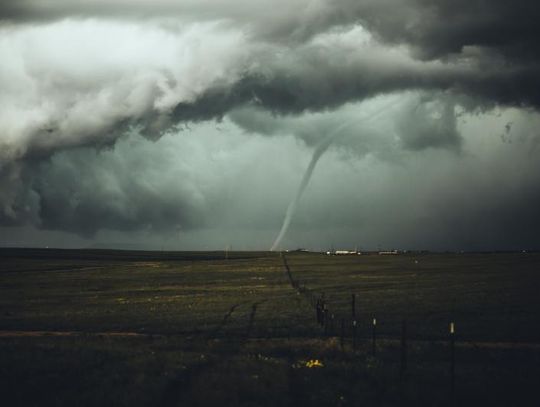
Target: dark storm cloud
[
  {"x": 435, "y": 27},
  {"x": 431, "y": 123},
  {"x": 314, "y": 82},
  {"x": 282, "y": 20},
  {"x": 206, "y": 183},
  {"x": 441, "y": 27},
  {"x": 77, "y": 77},
  {"x": 151, "y": 87},
  {"x": 84, "y": 190},
  {"x": 187, "y": 180},
  {"x": 420, "y": 119}
]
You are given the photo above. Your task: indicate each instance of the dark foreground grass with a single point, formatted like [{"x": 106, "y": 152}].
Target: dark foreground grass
[{"x": 166, "y": 329}]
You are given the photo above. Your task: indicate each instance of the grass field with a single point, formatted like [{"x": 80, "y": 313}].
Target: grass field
[{"x": 116, "y": 328}]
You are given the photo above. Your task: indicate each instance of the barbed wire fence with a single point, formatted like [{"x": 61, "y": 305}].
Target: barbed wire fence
[{"x": 346, "y": 328}]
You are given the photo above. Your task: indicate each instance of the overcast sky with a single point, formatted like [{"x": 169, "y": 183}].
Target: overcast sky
[{"x": 191, "y": 124}]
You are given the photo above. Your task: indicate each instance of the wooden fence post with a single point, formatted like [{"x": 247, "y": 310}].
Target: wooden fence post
[
  {"x": 452, "y": 361},
  {"x": 374, "y": 337},
  {"x": 354, "y": 334}
]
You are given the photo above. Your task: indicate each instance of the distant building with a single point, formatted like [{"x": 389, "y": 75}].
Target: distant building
[
  {"x": 389, "y": 252},
  {"x": 344, "y": 252}
]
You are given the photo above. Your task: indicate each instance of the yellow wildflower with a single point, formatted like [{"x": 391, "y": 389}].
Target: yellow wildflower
[{"x": 314, "y": 363}]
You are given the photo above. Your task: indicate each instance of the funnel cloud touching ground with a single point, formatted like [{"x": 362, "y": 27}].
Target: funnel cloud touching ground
[{"x": 190, "y": 124}]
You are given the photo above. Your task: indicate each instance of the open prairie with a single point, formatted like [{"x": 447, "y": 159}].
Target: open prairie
[{"x": 89, "y": 327}]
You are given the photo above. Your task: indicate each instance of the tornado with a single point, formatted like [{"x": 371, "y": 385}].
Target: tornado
[{"x": 320, "y": 149}]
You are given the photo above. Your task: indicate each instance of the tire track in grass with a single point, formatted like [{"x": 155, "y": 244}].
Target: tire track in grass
[
  {"x": 225, "y": 320},
  {"x": 178, "y": 390}
]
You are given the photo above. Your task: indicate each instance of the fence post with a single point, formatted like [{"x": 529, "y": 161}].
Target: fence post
[
  {"x": 403, "y": 369},
  {"x": 374, "y": 337},
  {"x": 452, "y": 362},
  {"x": 353, "y": 306},
  {"x": 354, "y": 334}
]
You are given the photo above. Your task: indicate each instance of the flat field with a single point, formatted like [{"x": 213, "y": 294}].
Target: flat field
[{"x": 91, "y": 327}]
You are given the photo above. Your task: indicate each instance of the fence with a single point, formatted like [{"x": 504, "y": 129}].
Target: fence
[{"x": 347, "y": 328}]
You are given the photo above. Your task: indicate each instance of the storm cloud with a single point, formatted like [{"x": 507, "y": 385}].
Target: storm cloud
[{"x": 101, "y": 102}]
